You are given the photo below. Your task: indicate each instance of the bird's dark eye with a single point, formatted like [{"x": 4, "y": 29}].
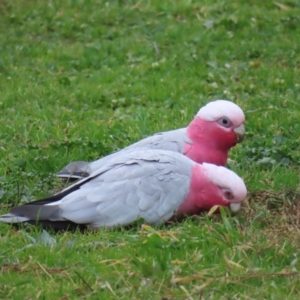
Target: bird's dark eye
[
  {"x": 225, "y": 122},
  {"x": 228, "y": 195}
]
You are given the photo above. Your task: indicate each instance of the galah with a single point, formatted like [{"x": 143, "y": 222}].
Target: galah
[
  {"x": 217, "y": 127},
  {"x": 153, "y": 185}
]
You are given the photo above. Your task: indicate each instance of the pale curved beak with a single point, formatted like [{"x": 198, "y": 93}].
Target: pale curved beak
[
  {"x": 235, "y": 207},
  {"x": 239, "y": 132}
]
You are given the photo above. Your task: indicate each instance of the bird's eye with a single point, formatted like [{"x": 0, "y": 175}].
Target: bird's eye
[
  {"x": 228, "y": 195},
  {"x": 225, "y": 122}
]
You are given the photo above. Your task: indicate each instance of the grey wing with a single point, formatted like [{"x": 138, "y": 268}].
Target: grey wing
[
  {"x": 173, "y": 140},
  {"x": 170, "y": 140},
  {"x": 127, "y": 193}
]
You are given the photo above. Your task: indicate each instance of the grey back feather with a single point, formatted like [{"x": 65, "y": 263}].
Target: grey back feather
[{"x": 170, "y": 140}]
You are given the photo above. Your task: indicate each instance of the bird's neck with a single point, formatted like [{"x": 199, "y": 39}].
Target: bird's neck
[
  {"x": 188, "y": 206},
  {"x": 209, "y": 143},
  {"x": 211, "y": 134}
]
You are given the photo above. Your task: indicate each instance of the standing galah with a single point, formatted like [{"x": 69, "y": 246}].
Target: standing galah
[
  {"x": 152, "y": 185},
  {"x": 216, "y": 128}
]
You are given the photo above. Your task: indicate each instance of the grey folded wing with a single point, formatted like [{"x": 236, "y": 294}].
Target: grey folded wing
[
  {"x": 151, "y": 190},
  {"x": 137, "y": 185},
  {"x": 170, "y": 140}
]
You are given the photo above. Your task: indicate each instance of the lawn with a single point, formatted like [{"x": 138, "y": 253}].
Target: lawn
[{"x": 80, "y": 79}]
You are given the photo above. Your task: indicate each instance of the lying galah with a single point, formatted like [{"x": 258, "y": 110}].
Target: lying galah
[
  {"x": 153, "y": 185},
  {"x": 217, "y": 127}
]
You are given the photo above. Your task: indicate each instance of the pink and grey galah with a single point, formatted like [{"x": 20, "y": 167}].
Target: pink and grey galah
[
  {"x": 153, "y": 185},
  {"x": 216, "y": 128}
]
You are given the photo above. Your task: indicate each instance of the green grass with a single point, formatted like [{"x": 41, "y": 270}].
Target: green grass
[{"x": 79, "y": 79}]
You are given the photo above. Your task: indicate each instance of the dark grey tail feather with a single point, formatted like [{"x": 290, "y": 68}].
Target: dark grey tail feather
[
  {"x": 67, "y": 178},
  {"x": 48, "y": 217},
  {"x": 53, "y": 198},
  {"x": 75, "y": 175},
  {"x": 37, "y": 212},
  {"x": 56, "y": 226},
  {"x": 75, "y": 170}
]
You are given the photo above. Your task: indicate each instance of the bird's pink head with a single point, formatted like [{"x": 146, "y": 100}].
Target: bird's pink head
[
  {"x": 213, "y": 185},
  {"x": 217, "y": 127}
]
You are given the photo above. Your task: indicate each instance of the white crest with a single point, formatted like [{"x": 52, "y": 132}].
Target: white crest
[
  {"x": 214, "y": 110},
  {"x": 226, "y": 178}
]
